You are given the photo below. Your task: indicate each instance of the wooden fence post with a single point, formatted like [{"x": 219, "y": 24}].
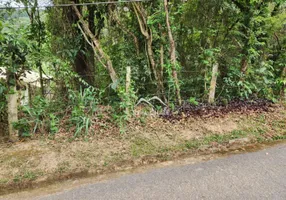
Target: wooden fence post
[{"x": 127, "y": 89}]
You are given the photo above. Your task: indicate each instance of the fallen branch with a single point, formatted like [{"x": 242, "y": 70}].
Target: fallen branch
[{"x": 148, "y": 101}]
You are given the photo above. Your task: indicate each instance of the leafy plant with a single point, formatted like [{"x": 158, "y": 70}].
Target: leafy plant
[
  {"x": 83, "y": 105},
  {"x": 193, "y": 101},
  {"x": 23, "y": 126},
  {"x": 54, "y": 123},
  {"x": 37, "y": 113}
]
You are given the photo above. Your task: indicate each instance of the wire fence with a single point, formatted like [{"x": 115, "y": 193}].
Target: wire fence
[
  {"x": 150, "y": 88},
  {"x": 50, "y": 5}
]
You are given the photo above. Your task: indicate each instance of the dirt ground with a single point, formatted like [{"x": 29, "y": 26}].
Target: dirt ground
[{"x": 42, "y": 160}]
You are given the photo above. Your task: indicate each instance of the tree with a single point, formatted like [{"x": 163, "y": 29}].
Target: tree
[
  {"x": 147, "y": 32},
  {"x": 69, "y": 44},
  {"x": 37, "y": 33},
  {"x": 13, "y": 52},
  {"x": 99, "y": 53},
  {"x": 173, "y": 58}
]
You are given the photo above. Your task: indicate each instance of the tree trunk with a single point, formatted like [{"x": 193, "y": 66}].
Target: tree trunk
[
  {"x": 172, "y": 54},
  {"x": 83, "y": 67},
  {"x": 213, "y": 83},
  {"x": 244, "y": 65},
  {"x": 147, "y": 33},
  {"x": 162, "y": 70},
  {"x": 84, "y": 62},
  {"x": 246, "y": 29},
  {"x": 99, "y": 53},
  {"x": 151, "y": 57}
]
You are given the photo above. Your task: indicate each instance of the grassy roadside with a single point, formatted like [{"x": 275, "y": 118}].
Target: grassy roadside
[{"x": 43, "y": 161}]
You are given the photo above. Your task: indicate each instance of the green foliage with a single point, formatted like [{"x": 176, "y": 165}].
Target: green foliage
[
  {"x": 38, "y": 115},
  {"x": 126, "y": 107},
  {"x": 128, "y": 100},
  {"x": 23, "y": 126},
  {"x": 1, "y": 27},
  {"x": 54, "y": 123},
  {"x": 245, "y": 38},
  {"x": 13, "y": 51},
  {"x": 83, "y": 104},
  {"x": 3, "y": 90},
  {"x": 193, "y": 101}
]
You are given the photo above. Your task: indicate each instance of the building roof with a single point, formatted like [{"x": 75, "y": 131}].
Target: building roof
[{"x": 28, "y": 76}]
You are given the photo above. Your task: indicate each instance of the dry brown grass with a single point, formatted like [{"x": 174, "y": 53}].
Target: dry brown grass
[{"x": 41, "y": 159}]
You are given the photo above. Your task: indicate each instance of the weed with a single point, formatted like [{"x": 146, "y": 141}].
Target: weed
[
  {"x": 207, "y": 140},
  {"x": 26, "y": 175},
  {"x": 193, "y": 144},
  {"x": 54, "y": 123},
  {"x": 29, "y": 175},
  {"x": 38, "y": 117},
  {"x": 142, "y": 120},
  {"x": 260, "y": 139},
  {"x": 17, "y": 179},
  {"x": 193, "y": 101},
  {"x": 238, "y": 134},
  {"x": 279, "y": 137},
  {"x": 23, "y": 126},
  {"x": 279, "y": 124},
  {"x": 84, "y": 104},
  {"x": 142, "y": 146},
  {"x": 262, "y": 118},
  {"x": 3, "y": 181},
  {"x": 63, "y": 167},
  {"x": 259, "y": 131}
]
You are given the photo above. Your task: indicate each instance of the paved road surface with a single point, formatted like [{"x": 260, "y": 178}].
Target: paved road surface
[{"x": 260, "y": 175}]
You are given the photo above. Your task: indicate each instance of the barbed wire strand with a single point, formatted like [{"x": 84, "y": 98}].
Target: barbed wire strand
[{"x": 73, "y": 4}]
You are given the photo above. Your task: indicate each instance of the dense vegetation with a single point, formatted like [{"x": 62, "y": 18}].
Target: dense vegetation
[{"x": 115, "y": 54}]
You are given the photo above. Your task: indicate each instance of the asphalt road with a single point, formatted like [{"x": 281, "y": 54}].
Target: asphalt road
[{"x": 259, "y": 175}]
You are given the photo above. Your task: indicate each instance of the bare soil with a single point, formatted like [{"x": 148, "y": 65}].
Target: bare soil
[{"x": 42, "y": 161}]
